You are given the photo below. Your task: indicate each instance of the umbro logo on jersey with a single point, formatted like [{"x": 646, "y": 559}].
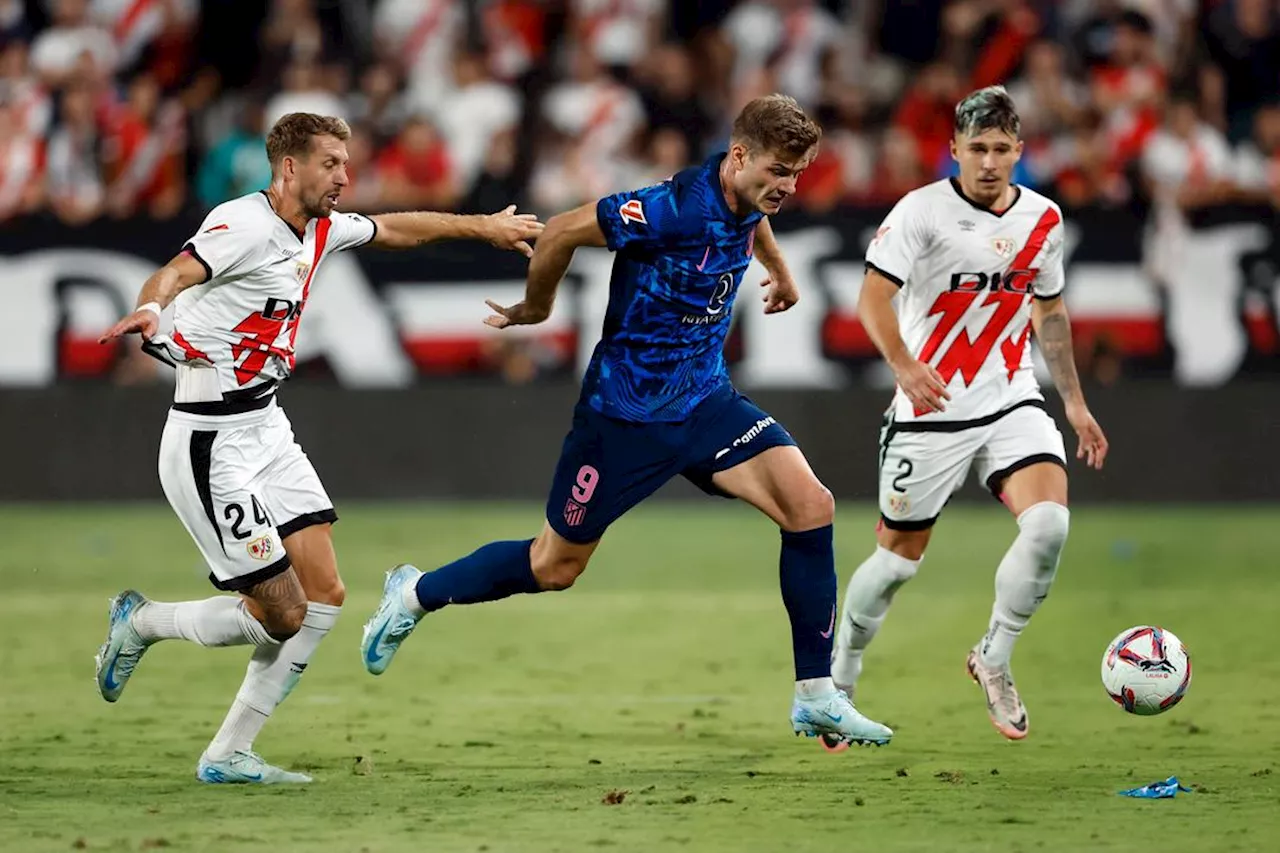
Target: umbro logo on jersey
[
  {"x": 967, "y": 224},
  {"x": 633, "y": 211}
]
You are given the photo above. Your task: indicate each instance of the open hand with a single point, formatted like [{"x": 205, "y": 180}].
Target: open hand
[
  {"x": 510, "y": 230},
  {"x": 144, "y": 322},
  {"x": 520, "y": 314},
  {"x": 923, "y": 386}
]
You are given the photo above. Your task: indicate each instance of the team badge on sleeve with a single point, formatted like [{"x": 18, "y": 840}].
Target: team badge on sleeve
[
  {"x": 633, "y": 211},
  {"x": 260, "y": 548}
]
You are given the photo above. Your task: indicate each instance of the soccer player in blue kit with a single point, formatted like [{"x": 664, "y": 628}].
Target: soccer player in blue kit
[{"x": 656, "y": 402}]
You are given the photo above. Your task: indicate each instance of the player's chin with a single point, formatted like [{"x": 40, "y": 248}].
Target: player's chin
[{"x": 329, "y": 203}]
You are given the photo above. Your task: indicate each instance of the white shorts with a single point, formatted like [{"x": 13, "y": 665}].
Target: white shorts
[
  {"x": 240, "y": 484},
  {"x": 923, "y": 464}
]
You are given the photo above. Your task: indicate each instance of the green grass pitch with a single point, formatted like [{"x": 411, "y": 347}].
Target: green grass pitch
[{"x": 662, "y": 678}]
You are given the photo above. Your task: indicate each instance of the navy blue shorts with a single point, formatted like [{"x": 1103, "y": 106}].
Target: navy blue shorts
[{"x": 607, "y": 466}]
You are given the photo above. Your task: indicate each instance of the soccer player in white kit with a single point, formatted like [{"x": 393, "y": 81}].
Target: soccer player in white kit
[
  {"x": 229, "y": 464},
  {"x": 976, "y": 267}
]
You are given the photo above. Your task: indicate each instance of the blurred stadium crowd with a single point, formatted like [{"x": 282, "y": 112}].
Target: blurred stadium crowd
[{"x": 151, "y": 107}]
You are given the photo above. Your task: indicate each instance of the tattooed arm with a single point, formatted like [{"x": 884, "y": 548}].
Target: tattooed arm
[{"x": 1053, "y": 333}]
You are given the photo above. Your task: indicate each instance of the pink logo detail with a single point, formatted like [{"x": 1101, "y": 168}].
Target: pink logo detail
[
  {"x": 574, "y": 512},
  {"x": 706, "y": 255},
  {"x": 633, "y": 211},
  {"x": 826, "y": 635},
  {"x": 751, "y": 244}
]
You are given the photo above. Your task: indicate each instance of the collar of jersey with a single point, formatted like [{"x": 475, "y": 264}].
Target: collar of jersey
[
  {"x": 1017, "y": 194},
  {"x": 302, "y": 237}
]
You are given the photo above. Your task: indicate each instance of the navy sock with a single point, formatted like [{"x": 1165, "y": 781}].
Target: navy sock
[
  {"x": 807, "y": 569},
  {"x": 498, "y": 570}
]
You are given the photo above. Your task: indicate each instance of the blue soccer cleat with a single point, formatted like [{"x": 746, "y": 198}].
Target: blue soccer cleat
[
  {"x": 391, "y": 623},
  {"x": 123, "y": 648},
  {"x": 833, "y": 717},
  {"x": 245, "y": 768}
]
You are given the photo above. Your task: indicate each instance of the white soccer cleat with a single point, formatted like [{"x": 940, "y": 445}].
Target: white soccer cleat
[
  {"x": 833, "y": 717},
  {"x": 391, "y": 623},
  {"x": 1004, "y": 706},
  {"x": 119, "y": 654},
  {"x": 245, "y": 768}
]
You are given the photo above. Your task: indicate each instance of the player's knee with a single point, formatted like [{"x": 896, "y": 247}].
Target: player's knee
[
  {"x": 1046, "y": 524},
  {"x": 333, "y": 592},
  {"x": 285, "y": 621},
  {"x": 907, "y": 544},
  {"x": 815, "y": 507},
  {"x": 557, "y": 572}
]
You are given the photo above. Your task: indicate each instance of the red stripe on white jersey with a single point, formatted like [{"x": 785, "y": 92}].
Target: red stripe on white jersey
[{"x": 322, "y": 237}]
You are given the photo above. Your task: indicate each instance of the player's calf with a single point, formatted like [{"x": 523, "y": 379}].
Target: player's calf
[
  {"x": 556, "y": 562},
  {"x": 1024, "y": 577},
  {"x": 866, "y": 603}
]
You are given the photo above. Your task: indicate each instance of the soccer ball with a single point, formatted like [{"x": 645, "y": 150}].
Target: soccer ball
[{"x": 1146, "y": 670}]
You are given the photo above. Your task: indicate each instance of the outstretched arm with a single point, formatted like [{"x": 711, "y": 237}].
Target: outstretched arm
[
  {"x": 921, "y": 383},
  {"x": 506, "y": 229},
  {"x": 158, "y": 291},
  {"x": 564, "y": 233},
  {"x": 1053, "y": 332},
  {"x": 781, "y": 291}
]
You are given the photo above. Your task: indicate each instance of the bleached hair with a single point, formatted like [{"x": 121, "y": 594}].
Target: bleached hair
[{"x": 987, "y": 109}]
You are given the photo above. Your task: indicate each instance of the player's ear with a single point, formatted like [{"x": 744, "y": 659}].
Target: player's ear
[
  {"x": 1017, "y": 151},
  {"x": 955, "y": 151}
]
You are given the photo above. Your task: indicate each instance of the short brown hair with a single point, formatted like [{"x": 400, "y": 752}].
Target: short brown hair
[
  {"x": 291, "y": 135},
  {"x": 778, "y": 124}
]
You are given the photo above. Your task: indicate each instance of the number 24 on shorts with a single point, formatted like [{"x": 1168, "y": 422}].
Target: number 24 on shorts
[{"x": 260, "y": 517}]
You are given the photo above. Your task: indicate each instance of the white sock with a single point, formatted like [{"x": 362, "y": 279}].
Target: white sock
[
  {"x": 866, "y": 601},
  {"x": 220, "y": 621},
  {"x": 809, "y": 688},
  {"x": 1024, "y": 578},
  {"x": 272, "y": 674},
  {"x": 409, "y": 593}
]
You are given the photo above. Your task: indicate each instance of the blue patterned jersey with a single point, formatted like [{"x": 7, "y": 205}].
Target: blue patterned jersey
[{"x": 680, "y": 256}]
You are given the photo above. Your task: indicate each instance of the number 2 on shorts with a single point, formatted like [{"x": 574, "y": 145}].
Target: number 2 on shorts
[
  {"x": 588, "y": 478},
  {"x": 906, "y": 469}
]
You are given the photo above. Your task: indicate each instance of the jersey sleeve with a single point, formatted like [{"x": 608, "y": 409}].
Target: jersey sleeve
[
  {"x": 227, "y": 245},
  {"x": 900, "y": 240},
  {"x": 1052, "y": 278},
  {"x": 350, "y": 231},
  {"x": 641, "y": 218}
]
